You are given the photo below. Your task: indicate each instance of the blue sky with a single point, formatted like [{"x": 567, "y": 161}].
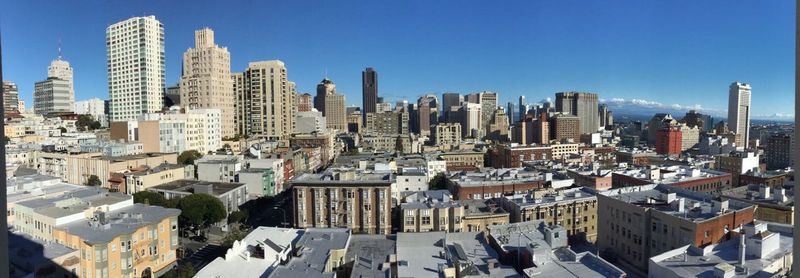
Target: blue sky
[{"x": 657, "y": 54}]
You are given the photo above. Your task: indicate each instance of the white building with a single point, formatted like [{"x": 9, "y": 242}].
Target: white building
[
  {"x": 53, "y": 96},
  {"x": 277, "y": 168},
  {"x": 277, "y": 244},
  {"x": 739, "y": 111},
  {"x": 94, "y": 107},
  {"x": 309, "y": 122},
  {"x": 135, "y": 60},
  {"x": 203, "y": 129}
]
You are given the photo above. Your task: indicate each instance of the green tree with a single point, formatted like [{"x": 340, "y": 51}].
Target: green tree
[
  {"x": 93, "y": 181},
  {"x": 149, "y": 198},
  {"x": 83, "y": 122},
  {"x": 398, "y": 144},
  {"x": 188, "y": 157},
  {"x": 438, "y": 182},
  {"x": 201, "y": 210},
  {"x": 95, "y": 125},
  {"x": 237, "y": 217},
  {"x": 62, "y": 129}
]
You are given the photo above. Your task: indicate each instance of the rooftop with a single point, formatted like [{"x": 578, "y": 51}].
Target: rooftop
[
  {"x": 190, "y": 186},
  {"x": 765, "y": 244},
  {"x": 133, "y": 157},
  {"x": 496, "y": 176},
  {"x": 76, "y": 201},
  {"x": 118, "y": 222},
  {"x": 25, "y": 251},
  {"x": 549, "y": 198},
  {"x": 369, "y": 253},
  {"x": 236, "y": 261},
  {"x": 314, "y": 249},
  {"x": 419, "y": 254},
  {"x": 472, "y": 249},
  {"x": 763, "y": 195},
  {"x": 345, "y": 177},
  {"x": 671, "y": 174},
  {"x": 160, "y": 168},
  {"x": 675, "y": 201}
]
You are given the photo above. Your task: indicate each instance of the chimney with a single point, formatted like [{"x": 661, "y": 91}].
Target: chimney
[
  {"x": 780, "y": 195},
  {"x": 741, "y": 249}
]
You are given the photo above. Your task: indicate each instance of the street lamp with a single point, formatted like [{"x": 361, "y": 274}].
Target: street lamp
[{"x": 284, "y": 223}]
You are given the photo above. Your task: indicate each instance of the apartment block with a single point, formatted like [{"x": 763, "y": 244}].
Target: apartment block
[
  {"x": 513, "y": 155},
  {"x": 343, "y": 199},
  {"x": 463, "y": 160},
  {"x": 687, "y": 177},
  {"x": 494, "y": 183},
  {"x": 231, "y": 194},
  {"x": 773, "y": 204},
  {"x": 640, "y": 222},
  {"x": 141, "y": 178},
  {"x": 573, "y": 209},
  {"x": 77, "y": 168},
  {"x": 392, "y": 122}
]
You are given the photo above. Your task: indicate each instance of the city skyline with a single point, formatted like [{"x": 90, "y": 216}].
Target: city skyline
[{"x": 625, "y": 65}]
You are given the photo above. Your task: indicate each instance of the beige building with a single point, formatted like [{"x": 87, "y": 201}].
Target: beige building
[
  {"x": 206, "y": 79},
  {"x": 447, "y": 134},
  {"x": 332, "y": 105},
  {"x": 497, "y": 127},
  {"x": 147, "y": 177},
  {"x": 560, "y": 150},
  {"x": 573, "y": 209},
  {"x": 389, "y": 122},
  {"x": 343, "y": 199},
  {"x": 459, "y": 160},
  {"x": 266, "y": 101},
  {"x": 77, "y": 168}
]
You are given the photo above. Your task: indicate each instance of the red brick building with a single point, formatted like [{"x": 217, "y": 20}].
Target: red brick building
[
  {"x": 512, "y": 156},
  {"x": 494, "y": 183},
  {"x": 668, "y": 141}
]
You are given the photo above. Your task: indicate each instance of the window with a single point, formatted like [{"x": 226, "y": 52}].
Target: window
[
  {"x": 426, "y": 220},
  {"x": 409, "y": 220}
]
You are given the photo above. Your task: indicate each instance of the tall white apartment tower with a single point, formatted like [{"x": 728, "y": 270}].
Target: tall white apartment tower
[
  {"x": 135, "y": 60},
  {"x": 206, "y": 79},
  {"x": 739, "y": 112}
]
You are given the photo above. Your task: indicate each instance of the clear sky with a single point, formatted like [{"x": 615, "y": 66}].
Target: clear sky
[{"x": 637, "y": 53}]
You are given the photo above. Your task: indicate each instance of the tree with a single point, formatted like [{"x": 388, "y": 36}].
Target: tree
[
  {"x": 95, "y": 125},
  {"x": 201, "y": 210},
  {"x": 93, "y": 181},
  {"x": 438, "y": 182},
  {"x": 237, "y": 217},
  {"x": 188, "y": 157},
  {"x": 62, "y": 129},
  {"x": 149, "y": 198}
]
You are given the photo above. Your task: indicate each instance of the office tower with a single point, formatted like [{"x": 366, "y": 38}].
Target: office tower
[
  {"x": 305, "y": 102},
  {"x": 387, "y": 123},
  {"x": 265, "y": 98},
  {"x": 471, "y": 123},
  {"x": 778, "y": 151},
  {"x": 428, "y": 107},
  {"x": 59, "y": 68},
  {"x": 565, "y": 127},
  {"x": 739, "y": 112},
  {"x": 473, "y": 98},
  {"x": 52, "y": 96},
  {"x": 497, "y": 128},
  {"x": 693, "y": 118},
  {"x": 205, "y": 79},
  {"x": 602, "y": 115},
  {"x": 369, "y": 91},
  {"x": 450, "y": 100},
  {"x": 610, "y": 118},
  {"x": 669, "y": 140},
  {"x": 488, "y": 102},
  {"x": 135, "y": 51},
  {"x": 331, "y": 104},
  {"x": 513, "y": 114},
  {"x": 10, "y": 97},
  {"x": 523, "y": 108},
  {"x": 583, "y": 105}
]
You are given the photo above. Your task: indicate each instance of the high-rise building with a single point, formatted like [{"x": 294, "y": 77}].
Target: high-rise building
[
  {"x": 658, "y": 122},
  {"x": 450, "y": 100},
  {"x": 565, "y": 127},
  {"x": 369, "y": 91},
  {"x": 59, "y": 68},
  {"x": 523, "y": 108},
  {"x": 471, "y": 124},
  {"x": 205, "y": 79},
  {"x": 52, "y": 96},
  {"x": 242, "y": 119},
  {"x": 583, "y": 105},
  {"x": 305, "y": 102},
  {"x": 331, "y": 104},
  {"x": 513, "y": 115},
  {"x": 488, "y": 102},
  {"x": 387, "y": 123},
  {"x": 497, "y": 128},
  {"x": 778, "y": 151},
  {"x": 473, "y": 98},
  {"x": 265, "y": 87},
  {"x": 447, "y": 134},
  {"x": 10, "y": 97},
  {"x": 739, "y": 112},
  {"x": 135, "y": 51},
  {"x": 428, "y": 110},
  {"x": 693, "y": 118},
  {"x": 669, "y": 140}
]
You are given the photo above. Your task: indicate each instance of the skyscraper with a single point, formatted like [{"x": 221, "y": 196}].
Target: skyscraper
[
  {"x": 135, "y": 51},
  {"x": 488, "y": 101},
  {"x": 241, "y": 104},
  {"x": 205, "y": 79},
  {"x": 10, "y": 97},
  {"x": 428, "y": 111},
  {"x": 513, "y": 115},
  {"x": 305, "y": 102},
  {"x": 523, "y": 108},
  {"x": 59, "y": 68},
  {"x": 265, "y": 86},
  {"x": 583, "y": 105},
  {"x": 369, "y": 91},
  {"x": 739, "y": 112},
  {"x": 450, "y": 100},
  {"x": 52, "y": 96},
  {"x": 331, "y": 104},
  {"x": 602, "y": 112}
]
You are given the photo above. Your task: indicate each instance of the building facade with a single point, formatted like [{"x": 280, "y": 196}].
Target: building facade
[
  {"x": 583, "y": 105},
  {"x": 739, "y": 112}
]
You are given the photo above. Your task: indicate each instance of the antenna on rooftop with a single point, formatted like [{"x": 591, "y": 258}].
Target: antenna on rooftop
[{"x": 59, "y": 48}]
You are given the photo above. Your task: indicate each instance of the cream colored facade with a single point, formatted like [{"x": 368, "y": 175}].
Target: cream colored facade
[
  {"x": 206, "y": 81},
  {"x": 271, "y": 111},
  {"x": 559, "y": 150},
  {"x": 77, "y": 168},
  {"x": 447, "y": 134},
  {"x": 135, "y": 60},
  {"x": 141, "y": 181},
  {"x": 430, "y": 219}
]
